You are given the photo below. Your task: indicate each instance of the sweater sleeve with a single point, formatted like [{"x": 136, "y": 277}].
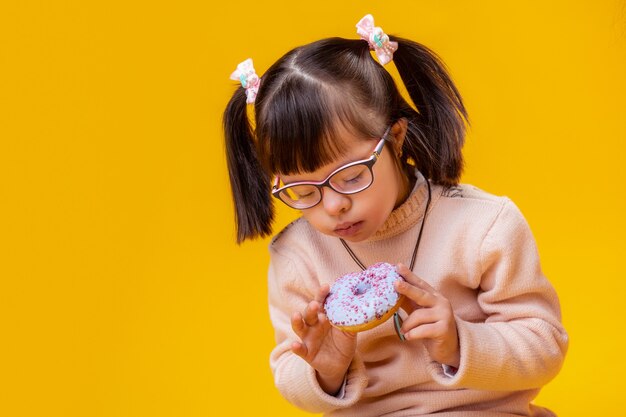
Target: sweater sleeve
[
  {"x": 522, "y": 343},
  {"x": 290, "y": 289}
]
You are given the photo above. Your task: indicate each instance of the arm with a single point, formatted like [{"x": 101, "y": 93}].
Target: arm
[
  {"x": 311, "y": 358},
  {"x": 521, "y": 344}
]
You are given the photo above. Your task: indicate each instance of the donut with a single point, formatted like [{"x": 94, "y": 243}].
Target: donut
[{"x": 362, "y": 300}]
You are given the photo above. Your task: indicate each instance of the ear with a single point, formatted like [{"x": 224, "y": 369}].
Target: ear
[{"x": 398, "y": 131}]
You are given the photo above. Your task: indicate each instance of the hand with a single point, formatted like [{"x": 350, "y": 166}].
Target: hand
[
  {"x": 430, "y": 319},
  {"x": 327, "y": 349}
]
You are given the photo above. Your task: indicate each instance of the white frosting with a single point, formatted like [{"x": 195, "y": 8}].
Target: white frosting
[{"x": 361, "y": 297}]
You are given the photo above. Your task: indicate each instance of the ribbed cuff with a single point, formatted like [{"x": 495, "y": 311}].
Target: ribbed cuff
[{"x": 315, "y": 399}]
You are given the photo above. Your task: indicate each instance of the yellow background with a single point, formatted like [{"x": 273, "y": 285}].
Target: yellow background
[{"x": 122, "y": 291}]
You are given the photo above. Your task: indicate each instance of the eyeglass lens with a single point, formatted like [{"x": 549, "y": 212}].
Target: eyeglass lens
[{"x": 348, "y": 180}]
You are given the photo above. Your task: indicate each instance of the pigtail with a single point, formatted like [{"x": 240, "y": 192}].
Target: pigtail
[
  {"x": 439, "y": 128},
  {"x": 250, "y": 184}
]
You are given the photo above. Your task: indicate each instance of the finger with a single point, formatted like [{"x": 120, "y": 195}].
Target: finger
[
  {"x": 419, "y": 296},
  {"x": 322, "y": 319},
  {"x": 418, "y": 318},
  {"x": 405, "y": 272},
  {"x": 322, "y": 293},
  {"x": 298, "y": 325},
  {"x": 425, "y": 331},
  {"x": 311, "y": 312},
  {"x": 410, "y": 277},
  {"x": 408, "y": 305},
  {"x": 299, "y": 349},
  {"x": 424, "y": 285}
]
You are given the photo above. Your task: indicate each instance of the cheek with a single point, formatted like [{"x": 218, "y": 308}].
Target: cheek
[
  {"x": 314, "y": 217},
  {"x": 384, "y": 201},
  {"x": 386, "y": 184},
  {"x": 377, "y": 202}
]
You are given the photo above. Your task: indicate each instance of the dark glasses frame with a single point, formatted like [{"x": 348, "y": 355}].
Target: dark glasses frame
[{"x": 369, "y": 163}]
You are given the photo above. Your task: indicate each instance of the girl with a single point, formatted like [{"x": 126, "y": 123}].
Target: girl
[{"x": 376, "y": 179}]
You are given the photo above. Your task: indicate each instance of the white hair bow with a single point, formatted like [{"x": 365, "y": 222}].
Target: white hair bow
[
  {"x": 248, "y": 78},
  {"x": 377, "y": 39}
]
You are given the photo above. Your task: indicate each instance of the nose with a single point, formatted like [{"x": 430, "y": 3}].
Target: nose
[{"x": 335, "y": 203}]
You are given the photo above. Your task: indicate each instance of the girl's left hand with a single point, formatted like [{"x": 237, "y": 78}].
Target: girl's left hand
[{"x": 430, "y": 319}]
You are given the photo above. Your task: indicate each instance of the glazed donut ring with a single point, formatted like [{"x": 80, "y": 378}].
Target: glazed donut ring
[{"x": 362, "y": 300}]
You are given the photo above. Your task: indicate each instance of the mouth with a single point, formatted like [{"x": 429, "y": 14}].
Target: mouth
[{"x": 348, "y": 229}]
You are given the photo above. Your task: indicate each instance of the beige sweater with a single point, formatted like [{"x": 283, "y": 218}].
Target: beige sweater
[{"x": 478, "y": 251}]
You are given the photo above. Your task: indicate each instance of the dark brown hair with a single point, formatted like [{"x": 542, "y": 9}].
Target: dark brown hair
[{"x": 312, "y": 91}]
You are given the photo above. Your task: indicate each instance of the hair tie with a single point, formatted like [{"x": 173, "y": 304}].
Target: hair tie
[
  {"x": 249, "y": 79},
  {"x": 379, "y": 42}
]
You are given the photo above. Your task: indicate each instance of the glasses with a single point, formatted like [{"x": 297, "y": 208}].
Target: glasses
[{"x": 348, "y": 179}]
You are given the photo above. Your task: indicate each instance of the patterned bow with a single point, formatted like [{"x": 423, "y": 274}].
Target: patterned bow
[
  {"x": 377, "y": 39},
  {"x": 249, "y": 80}
]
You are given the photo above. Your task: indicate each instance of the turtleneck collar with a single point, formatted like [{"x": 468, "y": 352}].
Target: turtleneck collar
[{"x": 408, "y": 213}]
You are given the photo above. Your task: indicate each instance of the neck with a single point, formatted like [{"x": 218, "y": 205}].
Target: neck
[{"x": 407, "y": 179}]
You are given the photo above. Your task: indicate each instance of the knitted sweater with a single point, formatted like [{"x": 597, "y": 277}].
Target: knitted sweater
[{"x": 478, "y": 251}]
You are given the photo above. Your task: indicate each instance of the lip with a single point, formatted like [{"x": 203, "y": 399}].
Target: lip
[{"x": 348, "y": 229}]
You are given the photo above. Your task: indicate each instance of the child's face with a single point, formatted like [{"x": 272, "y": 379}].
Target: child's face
[{"x": 356, "y": 217}]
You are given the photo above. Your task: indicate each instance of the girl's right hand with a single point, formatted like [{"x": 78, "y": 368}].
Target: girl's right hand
[{"x": 328, "y": 350}]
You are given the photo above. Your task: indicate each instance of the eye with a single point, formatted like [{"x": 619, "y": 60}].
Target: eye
[
  {"x": 300, "y": 192},
  {"x": 305, "y": 195},
  {"x": 350, "y": 176},
  {"x": 354, "y": 179}
]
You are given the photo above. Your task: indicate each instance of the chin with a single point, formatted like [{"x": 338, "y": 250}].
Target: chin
[
  {"x": 356, "y": 238},
  {"x": 353, "y": 239}
]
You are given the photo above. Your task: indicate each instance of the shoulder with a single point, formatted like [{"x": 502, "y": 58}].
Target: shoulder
[
  {"x": 298, "y": 255},
  {"x": 476, "y": 211},
  {"x": 298, "y": 238},
  {"x": 501, "y": 206},
  {"x": 289, "y": 233},
  {"x": 305, "y": 249},
  {"x": 471, "y": 200},
  {"x": 472, "y": 193}
]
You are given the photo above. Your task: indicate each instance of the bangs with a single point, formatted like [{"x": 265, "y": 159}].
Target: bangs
[{"x": 299, "y": 128}]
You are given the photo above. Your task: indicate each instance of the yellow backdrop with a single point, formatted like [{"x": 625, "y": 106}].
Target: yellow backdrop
[{"x": 122, "y": 291}]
